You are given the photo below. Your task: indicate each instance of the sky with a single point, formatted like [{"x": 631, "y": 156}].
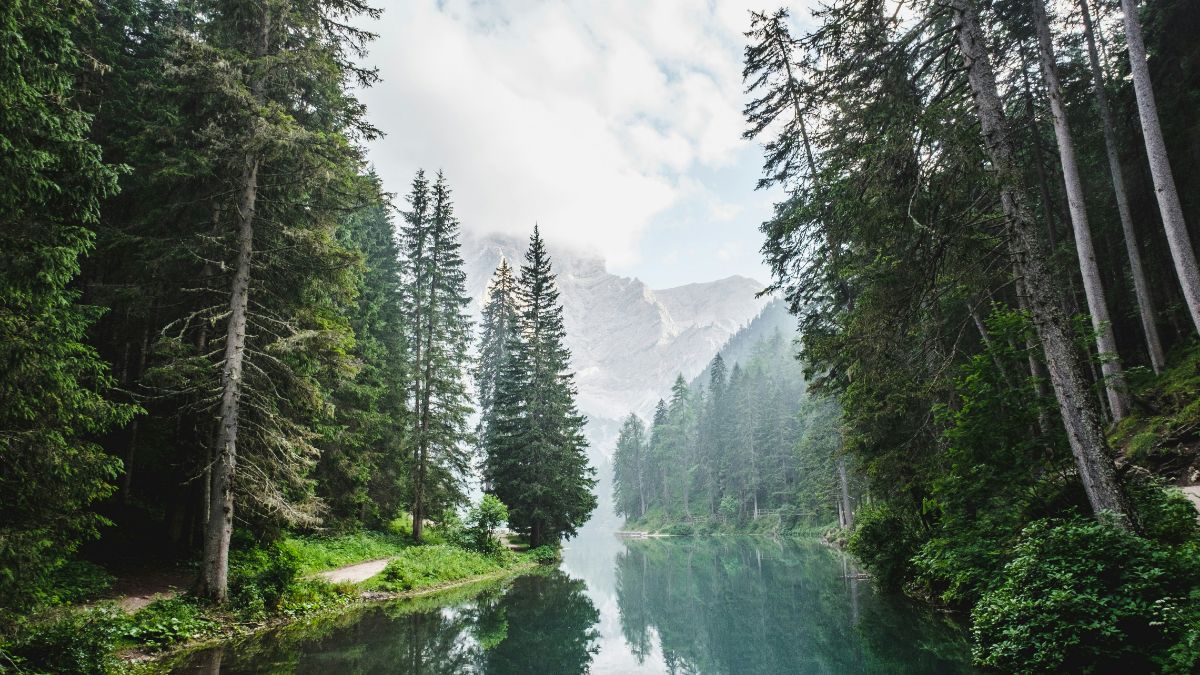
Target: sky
[{"x": 614, "y": 124}]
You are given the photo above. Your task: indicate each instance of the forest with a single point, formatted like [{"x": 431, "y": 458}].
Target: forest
[
  {"x": 744, "y": 448},
  {"x": 229, "y": 356},
  {"x": 224, "y": 346},
  {"x": 987, "y": 240}
]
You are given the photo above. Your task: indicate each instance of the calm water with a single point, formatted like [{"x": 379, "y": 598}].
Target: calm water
[{"x": 719, "y": 605}]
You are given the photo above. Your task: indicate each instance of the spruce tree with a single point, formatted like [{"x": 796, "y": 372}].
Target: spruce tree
[
  {"x": 439, "y": 340},
  {"x": 498, "y": 327},
  {"x": 53, "y": 386},
  {"x": 629, "y": 459},
  {"x": 536, "y": 461}
]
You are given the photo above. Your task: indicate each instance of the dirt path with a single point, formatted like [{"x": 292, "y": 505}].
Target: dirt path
[
  {"x": 1192, "y": 492},
  {"x": 355, "y": 573}
]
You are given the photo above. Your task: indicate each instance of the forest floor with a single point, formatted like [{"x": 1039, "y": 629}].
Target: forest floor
[{"x": 136, "y": 586}]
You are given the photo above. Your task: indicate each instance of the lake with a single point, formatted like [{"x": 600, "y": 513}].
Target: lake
[{"x": 677, "y": 605}]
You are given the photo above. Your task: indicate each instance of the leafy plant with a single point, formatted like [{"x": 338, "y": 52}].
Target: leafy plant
[
  {"x": 167, "y": 622},
  {"x": 260, "y": 576},
  {"x": 1083, "y": 595},
  {"x": 70, "y": 642}
]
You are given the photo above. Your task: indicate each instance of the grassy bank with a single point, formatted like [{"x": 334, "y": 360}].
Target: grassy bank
[{"x": 269, "y": 586}]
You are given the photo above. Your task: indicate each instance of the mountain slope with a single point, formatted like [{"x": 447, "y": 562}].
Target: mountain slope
[{"x": 628, "y": 341}]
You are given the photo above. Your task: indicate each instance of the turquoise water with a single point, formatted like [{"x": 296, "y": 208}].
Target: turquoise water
[{"x": 681, "y": 605}]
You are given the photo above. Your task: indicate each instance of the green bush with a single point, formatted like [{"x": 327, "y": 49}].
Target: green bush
[
  {"x": 1084, "y": 596},
  {"x": 883, "y": 541},
  {"x": 259, "y": 576},
  {"x": 69, "y": 642},
  {"x": 544, "y": 555},
  {"x": 1164, "y": 514},
  {"x": 167, "y": 622},
  {"x": 482, "y": 520}
]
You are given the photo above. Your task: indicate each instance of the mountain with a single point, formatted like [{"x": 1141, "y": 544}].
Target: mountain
[
  {"x": 774, "y": 318},
  {"x": 627, "y": 341}
]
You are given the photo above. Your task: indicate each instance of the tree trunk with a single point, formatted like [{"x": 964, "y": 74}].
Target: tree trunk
[
  {"x": 1093, "y": 288},
  {"x": 1178, "y": 239},
  {"x": 1140, "y": 286},
  {"x": 1093, "y": 457},
  {"x": 844, "y": 490},
  {"x": 214, "y": 583}
]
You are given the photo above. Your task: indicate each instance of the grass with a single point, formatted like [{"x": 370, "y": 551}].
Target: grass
[
  {"x": 422, "y": 566},
  {"x": 1164, "y": 428},
  {"x": 317, "y": 554}
]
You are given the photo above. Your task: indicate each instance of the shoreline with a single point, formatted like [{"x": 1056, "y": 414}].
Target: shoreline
[{"x": 136, "y": 661}]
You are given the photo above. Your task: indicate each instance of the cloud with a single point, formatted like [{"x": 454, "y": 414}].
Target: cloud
[{"x": 587, "y": 117}]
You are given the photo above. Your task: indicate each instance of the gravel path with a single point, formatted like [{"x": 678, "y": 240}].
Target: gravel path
[{"x": 355, "y": 573}]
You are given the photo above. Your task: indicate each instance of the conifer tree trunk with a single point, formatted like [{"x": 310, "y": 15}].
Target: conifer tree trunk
[
  {"x": 1141, "y": 286},
  {"x": 844, "y": 490},
  {"x": 214, "y": 582},
  {"x": 215, "y": 579},
  {"x": 1178, "y": 239},
  {"x": 1093, "y": 288},
  {"x": 1093, "y": 457}
]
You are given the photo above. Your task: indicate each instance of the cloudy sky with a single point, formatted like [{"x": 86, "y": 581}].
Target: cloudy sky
[{"x": 615, "y": 124}]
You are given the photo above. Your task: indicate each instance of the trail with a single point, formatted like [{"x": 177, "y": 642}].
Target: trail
[{"x": 355, "y": 573}]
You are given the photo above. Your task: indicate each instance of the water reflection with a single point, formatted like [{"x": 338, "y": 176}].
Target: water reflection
[
  {"x": 723, "y": 605},
  {"x": 537, "y": 623},
  {"x": 759, "y": 606}
]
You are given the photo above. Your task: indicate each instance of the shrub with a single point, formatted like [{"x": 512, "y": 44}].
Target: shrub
[
  {"x": 680, "y": 530},
  {"x": 166, "y": 622},
  {"x": 883, "y": 541},
  {"x": 70, "y": 642},
  {"x": 544, "y": 555},
  {"x": 1083, "y": 595},
  {"x": 482, "y": 520},
  {"x": 259, "y": 577}
]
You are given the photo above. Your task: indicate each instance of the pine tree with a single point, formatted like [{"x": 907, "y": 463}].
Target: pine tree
[
  {"x": 629, "y": 468},
  {"x": 52, "y": 384},
  {"x": 498, "y": 328},
  {"x": 535, "y": 451},
  {"x": 439, "y": 338}
]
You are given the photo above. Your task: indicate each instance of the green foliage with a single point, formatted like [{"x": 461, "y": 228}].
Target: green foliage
[
  {"x": 1084, "y": 595},
  {"x": 534, "y": 444},
  {"x": 545, "y": 555},
  {"x": 482, "y": 521},
  {"x": 260, "y": 576},
  {"x": 312, "y": 595},
  {"x": 885, "y": 539},
  {"x": 422, "y": 566},
  {"x": 164, "y": 623},
  {"x": 73, "y": 582},
  {"x": 749, "y": 450},
  {"x": 54, "y": 386},
  {"x": 69, "y": 641},
  {"x": 320, "y": 553}
]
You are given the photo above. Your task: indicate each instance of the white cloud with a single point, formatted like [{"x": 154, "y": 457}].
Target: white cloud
[{"x": 588, "y": 117}]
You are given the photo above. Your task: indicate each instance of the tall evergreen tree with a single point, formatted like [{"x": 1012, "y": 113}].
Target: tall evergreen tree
[
  {"x": 536, "y": 460},
  {"x": 440, "y": 337},
  {"x": 629, "y": 468},
  {"x": 498, "y": 328},
  {"x": 53, "y": 386}
]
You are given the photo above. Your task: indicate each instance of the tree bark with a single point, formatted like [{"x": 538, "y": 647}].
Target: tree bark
[
  {"x": 215, "y": 579},
  {"x": 1178, "y": 239},
  {"x": 844, "y": 489},
  {"x": 1093, "y": 287},
  {"x": 1093, "y": 457},
  {"x": 1141, "y": 286}
]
